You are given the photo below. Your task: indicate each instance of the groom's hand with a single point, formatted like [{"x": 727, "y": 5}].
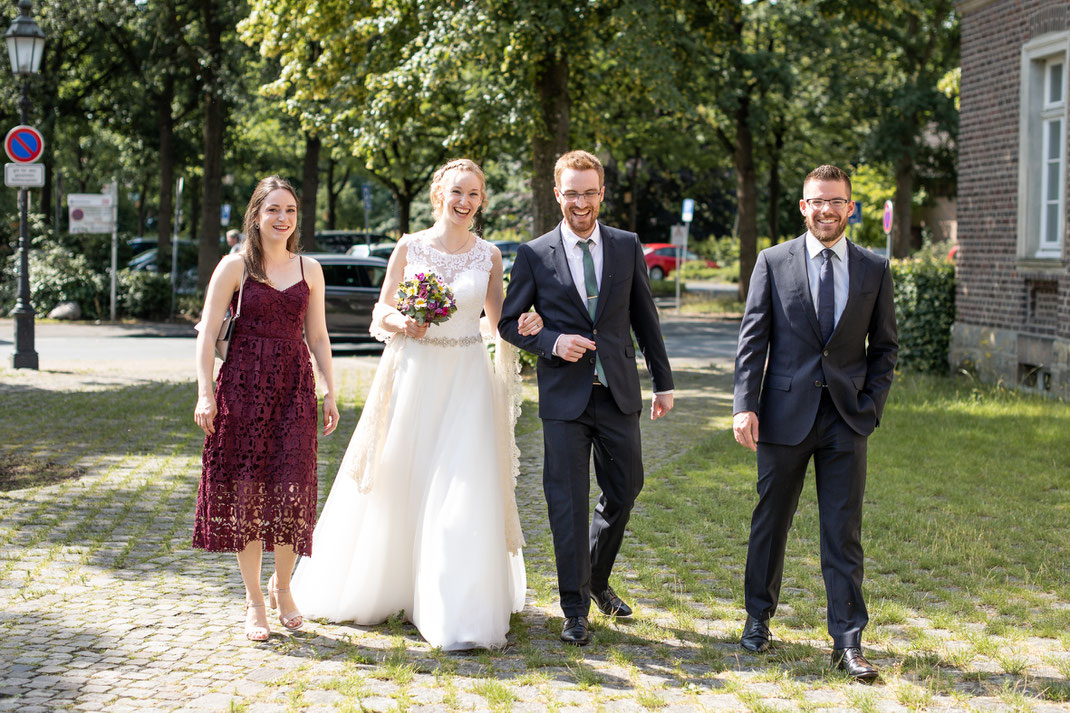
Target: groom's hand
[
  {"x": 571, "y": 347},
  {"x": 745, "y": 428}
]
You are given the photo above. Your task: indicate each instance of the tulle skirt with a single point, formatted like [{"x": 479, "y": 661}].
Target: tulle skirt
[{"x": 429, "y": 536}]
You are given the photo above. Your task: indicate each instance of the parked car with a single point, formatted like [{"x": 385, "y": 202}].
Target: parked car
[
  {"x": 188, "y": 252},
  {"x": 381, "y": 250},
  {"x": 352, "y": 287},
  {"x": 508, "y": 248},
  {"x": 339, "y": 241},
  {"x": 661, "y": 259}
]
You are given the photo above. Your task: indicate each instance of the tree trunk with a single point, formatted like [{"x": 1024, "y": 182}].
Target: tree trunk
[
  {"x": 550, "y": 140},
  {"x": 214, "y": 120},
  {"x": 310, "y": 179},
  {"x": 904, "y": 195},
  {"x": 775, "y": 187},
  {"x": 167, "y": 173},
  {"x": 633, "y": 189},
  {"x": 746, "y": 196},
  {"x": 404, "y": 201},
  {"x": 332, "y": 197}
]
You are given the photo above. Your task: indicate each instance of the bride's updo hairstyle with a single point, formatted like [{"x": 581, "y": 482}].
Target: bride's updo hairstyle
[{"x": 439, "y": 179}]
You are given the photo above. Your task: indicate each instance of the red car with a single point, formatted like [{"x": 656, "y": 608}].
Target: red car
[{"x": 661, "y": 259}]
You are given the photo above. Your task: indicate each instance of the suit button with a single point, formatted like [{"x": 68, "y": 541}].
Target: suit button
[
  {"x": 596, "y": 331},
  {"x": 825, "y": 353},
  {"x": 591, "y": 360},
  {"x": 817, "y": 384}
]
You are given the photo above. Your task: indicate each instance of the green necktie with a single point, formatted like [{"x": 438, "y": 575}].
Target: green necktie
[{"x": 590, "y": 283}]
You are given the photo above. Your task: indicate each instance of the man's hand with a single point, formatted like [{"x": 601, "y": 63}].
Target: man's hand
[
  {"x": 571, "y": 347},
  {"x": 660, "y": 405},
  {"x": 745, "y": 427}
]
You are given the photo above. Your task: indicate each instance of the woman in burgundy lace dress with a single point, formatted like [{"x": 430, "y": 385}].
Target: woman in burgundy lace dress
[{"x": 258, "y": 485}]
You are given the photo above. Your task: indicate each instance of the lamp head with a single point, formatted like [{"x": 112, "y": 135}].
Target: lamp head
[{"x": 25, "y": 42}]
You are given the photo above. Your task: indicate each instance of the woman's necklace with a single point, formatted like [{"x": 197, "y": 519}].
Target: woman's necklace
[{"x": 441, "y": 240}]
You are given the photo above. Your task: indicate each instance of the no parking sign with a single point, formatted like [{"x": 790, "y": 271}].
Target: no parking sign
[{"x": 24, "y": 144}]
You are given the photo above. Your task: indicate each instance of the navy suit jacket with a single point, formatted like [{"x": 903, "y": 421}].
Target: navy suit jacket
[
  {"x": 781, "y": 362},
  {"x": 540, "y": 277}
]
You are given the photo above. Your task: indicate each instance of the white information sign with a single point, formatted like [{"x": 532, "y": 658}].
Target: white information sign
[
  {"x": 24, "y": 175},
  {"x": 678, "y": 235},
  {"x": 90, "y": 212}
]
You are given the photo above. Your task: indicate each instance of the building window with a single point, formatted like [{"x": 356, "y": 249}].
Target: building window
[{"x": 1042, "y": 158}]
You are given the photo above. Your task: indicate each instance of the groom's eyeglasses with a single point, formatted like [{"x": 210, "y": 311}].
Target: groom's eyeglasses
[
  {"x": 573, "y": 196},
  {"x": 819, "y": 203}
]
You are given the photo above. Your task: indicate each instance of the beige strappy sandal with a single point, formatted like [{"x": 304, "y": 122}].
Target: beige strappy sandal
[
  {"x": 254, "y": 631},
  {"x": 291, "y": 621}
]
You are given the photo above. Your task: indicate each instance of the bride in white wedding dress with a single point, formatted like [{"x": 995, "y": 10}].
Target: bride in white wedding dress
[{"x": 422, "y": 517}]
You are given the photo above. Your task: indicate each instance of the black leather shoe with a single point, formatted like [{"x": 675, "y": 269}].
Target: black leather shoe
[
  {"x": 609, "y": 603},
  {"x": 575, "y": 631},
  {"x": 854, "y": 664},
  {"x": 755, "y": 635}
]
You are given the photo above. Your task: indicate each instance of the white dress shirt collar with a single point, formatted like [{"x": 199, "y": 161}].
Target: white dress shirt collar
[
  {"x": 815, "y": 246},
  {"x": 571, "y": 239}
]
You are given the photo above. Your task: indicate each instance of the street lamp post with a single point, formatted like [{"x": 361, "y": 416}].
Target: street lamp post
[{"x": 25, "y": 44}]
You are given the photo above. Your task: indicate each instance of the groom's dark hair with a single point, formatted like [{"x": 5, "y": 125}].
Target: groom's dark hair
[
  {"x": 579, "y": 161},
  {"x": 828, "y": 172}
]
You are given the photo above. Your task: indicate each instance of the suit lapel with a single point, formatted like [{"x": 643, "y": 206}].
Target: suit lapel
[
  {"x": 564, "y": 274},
  {"x": 610, "y": 250},
  {"x": 856, "y": 268},
  {"x": 800, "y": 287}
]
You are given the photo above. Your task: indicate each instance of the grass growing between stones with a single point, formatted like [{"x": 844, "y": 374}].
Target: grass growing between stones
[{"x": 964, "y": 528}]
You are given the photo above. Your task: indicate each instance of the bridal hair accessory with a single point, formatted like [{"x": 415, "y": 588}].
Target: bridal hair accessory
[
  {"x": 426, "y": 298},
  {"x": 222, "y": 341}
]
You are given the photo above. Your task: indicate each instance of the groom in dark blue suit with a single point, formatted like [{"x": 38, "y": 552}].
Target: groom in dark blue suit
[
  {"x": 816, "y": 354},
  {"x": 589, "y": 283}
]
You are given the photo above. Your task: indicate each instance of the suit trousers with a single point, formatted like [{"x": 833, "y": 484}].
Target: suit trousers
[
  {"x": 584, "y": 553},
  {"x": 839, "y": 455}
]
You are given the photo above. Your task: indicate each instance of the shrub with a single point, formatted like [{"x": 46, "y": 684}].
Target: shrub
[
  {"x": 924, "y": 311},
  {"x": 144, "y": 294},
  {"x": 57, "y": 275}
]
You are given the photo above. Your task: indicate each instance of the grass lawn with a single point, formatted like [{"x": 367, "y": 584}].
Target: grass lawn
[{"x": 965, "y": 529}]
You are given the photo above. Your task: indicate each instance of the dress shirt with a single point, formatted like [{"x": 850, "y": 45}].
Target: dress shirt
[
  {"x": 839, "y": 271},
  {"x": 574, "y": 257}
]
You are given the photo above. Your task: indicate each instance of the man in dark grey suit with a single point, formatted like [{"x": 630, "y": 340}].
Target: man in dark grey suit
[
  {"x": 821, "y": 311},
  {"x": 589, "y": 283}
]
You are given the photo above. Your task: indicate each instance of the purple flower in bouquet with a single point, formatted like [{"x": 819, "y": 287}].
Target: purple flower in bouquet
[{"x": 426, "y": 298}]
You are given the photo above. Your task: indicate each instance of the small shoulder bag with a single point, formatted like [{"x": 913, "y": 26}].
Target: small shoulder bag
[{"x": 222, "y": 342}]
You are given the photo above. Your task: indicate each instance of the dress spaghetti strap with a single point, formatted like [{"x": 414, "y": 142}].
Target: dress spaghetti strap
[{"x": 301, "y": 262}]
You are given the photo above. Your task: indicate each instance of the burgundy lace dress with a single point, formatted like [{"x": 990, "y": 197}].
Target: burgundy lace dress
[{"x": 259, "y": 467}]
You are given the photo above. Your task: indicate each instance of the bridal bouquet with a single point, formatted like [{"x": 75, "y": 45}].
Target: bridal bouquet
[{"x": 426, "y": 298}]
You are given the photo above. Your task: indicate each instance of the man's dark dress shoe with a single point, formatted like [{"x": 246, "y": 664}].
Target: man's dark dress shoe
[
  {"x": 755, "y": 635},
  {"x": 575, "y": 631},
  {"x": 609, "y": 603},
  {"x": 854, "y": 664}
]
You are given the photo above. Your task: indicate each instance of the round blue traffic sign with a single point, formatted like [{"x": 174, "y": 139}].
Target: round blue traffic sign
[{"x": 24, "y": 144}]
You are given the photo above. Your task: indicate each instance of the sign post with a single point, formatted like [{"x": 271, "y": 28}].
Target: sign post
[
  {"x": 686, "y": 215},
  {"x": 174, "y": 241},
  {"x": 853, "y": 220},
  {"x": 889, "y": 209},
  {"x": 24, "y": 146},
  {"x": 366, "y": 190}
]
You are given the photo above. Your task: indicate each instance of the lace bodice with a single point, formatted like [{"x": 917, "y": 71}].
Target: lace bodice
[{"x": 467, "y": 273}]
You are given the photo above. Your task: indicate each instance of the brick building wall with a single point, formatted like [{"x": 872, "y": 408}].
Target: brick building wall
[{"x": 1013, "y": 311}]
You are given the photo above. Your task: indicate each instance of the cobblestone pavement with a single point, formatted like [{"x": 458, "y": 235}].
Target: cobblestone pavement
[{"x": 107, "y": 608}]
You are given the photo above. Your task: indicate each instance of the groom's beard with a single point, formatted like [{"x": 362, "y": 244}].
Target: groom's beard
[{"x": 581, "y": 225}]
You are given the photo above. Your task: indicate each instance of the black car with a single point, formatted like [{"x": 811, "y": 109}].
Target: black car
[
  {"x": 352, "y": 289},
  {"x": 338, "y": 241}
]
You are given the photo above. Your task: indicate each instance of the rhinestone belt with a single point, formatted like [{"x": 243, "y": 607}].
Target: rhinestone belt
[{"x": 452, "y": 341}]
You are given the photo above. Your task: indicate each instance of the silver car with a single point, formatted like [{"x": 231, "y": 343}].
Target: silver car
[{"x": 352, "y": 289}]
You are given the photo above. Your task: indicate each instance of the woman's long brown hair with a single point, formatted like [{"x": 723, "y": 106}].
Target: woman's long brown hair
[{"x": 252, "y": 246}]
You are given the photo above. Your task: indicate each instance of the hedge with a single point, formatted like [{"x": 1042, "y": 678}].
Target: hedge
[{"x": 924, "y": 311}]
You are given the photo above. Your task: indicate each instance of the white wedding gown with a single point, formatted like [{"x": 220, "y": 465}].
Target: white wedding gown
[{"x": 421, "y": 517}]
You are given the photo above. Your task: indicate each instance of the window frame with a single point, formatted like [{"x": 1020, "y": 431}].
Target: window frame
[{"x": 1037, "y": 113}]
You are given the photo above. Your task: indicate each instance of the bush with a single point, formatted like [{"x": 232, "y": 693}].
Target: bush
[
  {"x": 144, "y": 294},
  {"x": 924, "y": 311},
  {"x": 57, "y": 275}
]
